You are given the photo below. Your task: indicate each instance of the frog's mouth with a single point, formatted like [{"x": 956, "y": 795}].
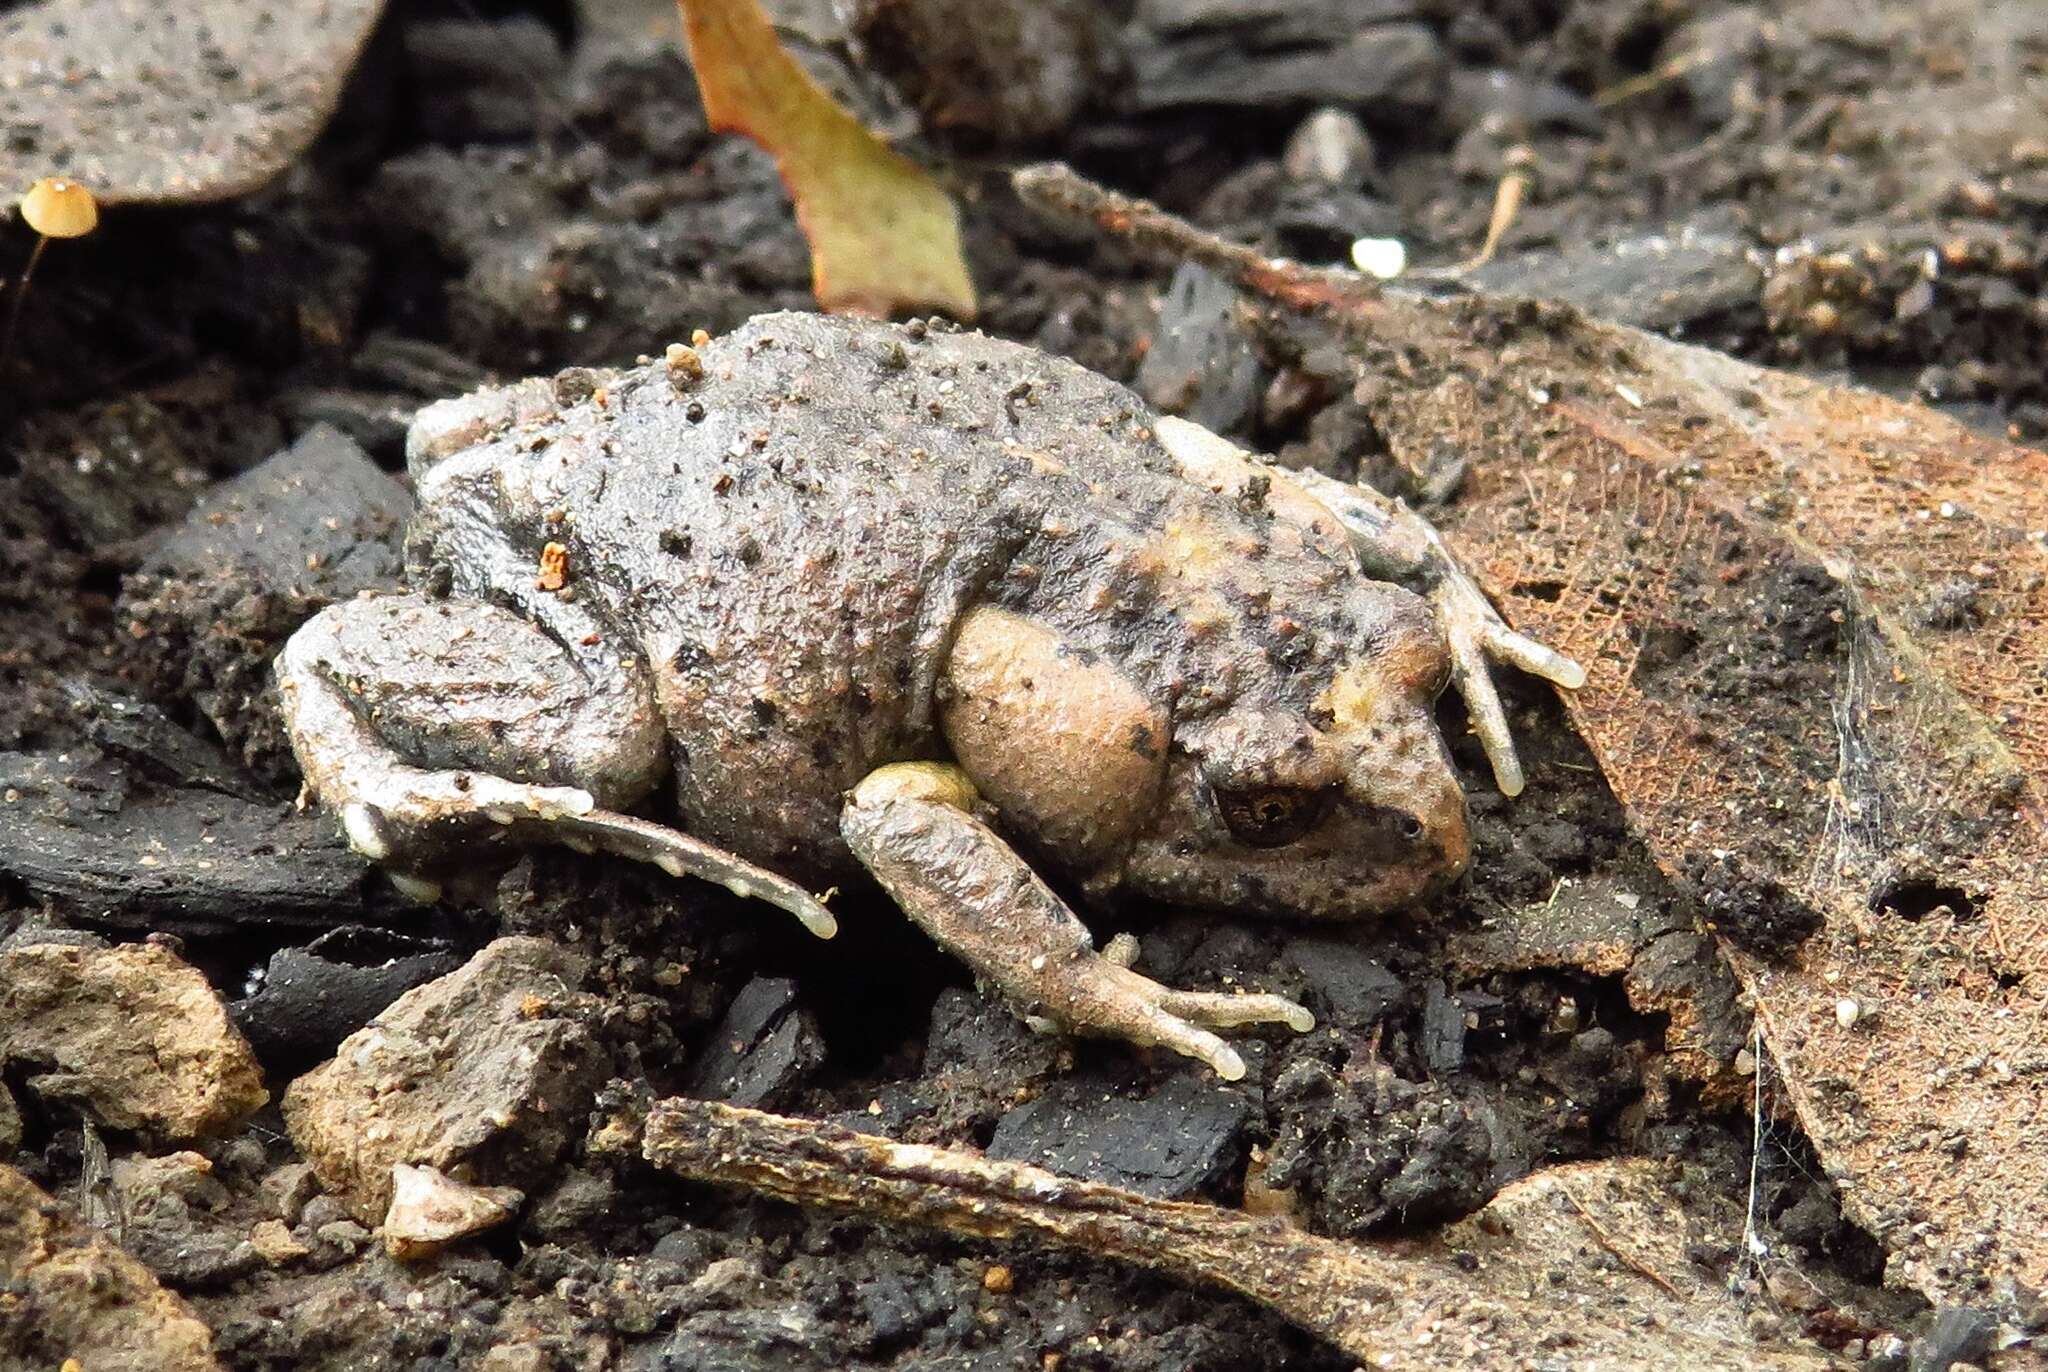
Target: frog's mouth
[{"x": 1362, "y": 858}]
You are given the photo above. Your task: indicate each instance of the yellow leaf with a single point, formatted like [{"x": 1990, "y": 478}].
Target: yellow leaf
[{"x": 884, "y": 238}]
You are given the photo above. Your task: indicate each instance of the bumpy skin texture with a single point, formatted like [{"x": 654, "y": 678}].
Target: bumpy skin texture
[{"x": 823, "y": 547}]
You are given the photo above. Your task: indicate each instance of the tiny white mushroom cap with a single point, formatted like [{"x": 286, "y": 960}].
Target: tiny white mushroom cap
[{"x": 57, "y": 208}]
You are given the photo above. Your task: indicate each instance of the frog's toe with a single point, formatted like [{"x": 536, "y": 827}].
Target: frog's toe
[
  {"x": 1534, "y": 658},
  {"x": 1129, "y": 1005},
  {"x": 1232, "y": 1010}
]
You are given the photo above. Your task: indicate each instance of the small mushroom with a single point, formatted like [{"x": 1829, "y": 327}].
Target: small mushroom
[{"x": 54, "y": 208}]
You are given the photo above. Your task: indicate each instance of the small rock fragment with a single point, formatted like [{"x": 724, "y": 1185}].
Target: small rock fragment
[
  {"x": 580, "y": 1199},
  {"x": 430, "y": 1210},
  {"x": 1331, "y": 147},
  {"x": 287, "y": 1190},
  {"x": 10, "y": 1122},
  {"x": 489, "y": 1070},
  {"x": 131, "y": 1035},
  {"x": 1367, "y": 66},
  {"x": 184, "y": 1178},
  {"x": 1348, "y": 986},
  {"x": 319, "y": 518},
  {"x": 74, "y": 1299},
  {"x": 275, "y": 1243}
]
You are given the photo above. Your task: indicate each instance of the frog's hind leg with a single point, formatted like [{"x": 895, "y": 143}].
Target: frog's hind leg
[
  {"x": 435, "y": 726},
  {"x": 913, "y": 826}
]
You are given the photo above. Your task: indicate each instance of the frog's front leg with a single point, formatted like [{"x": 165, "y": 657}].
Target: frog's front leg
[
  {"x": 1395, "y": 544},
  {"x": 434, "y": 726},
  {"x": 915, "y": 826}
]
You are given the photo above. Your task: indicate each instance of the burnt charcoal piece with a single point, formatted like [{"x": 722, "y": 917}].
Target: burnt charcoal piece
[
  {"x": 1201, "y": 365},
  {"x": 1172, "y": 1143},
  {"x": 1350, "y": 987},
  {"x": 313, "y": 997},
  {"x": 1281, "y": 60},
  {"x": 188, "y": 861},
  {"x": 1959, "y": 1334},
  {"x": 1443, "y": 1029},
  {"x": 1688, "y": 277},
  {"x": 764, "y": 1048}
]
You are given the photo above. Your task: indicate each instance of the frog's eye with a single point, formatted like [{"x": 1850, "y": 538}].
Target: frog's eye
[{"x": 1271, "y": 815}]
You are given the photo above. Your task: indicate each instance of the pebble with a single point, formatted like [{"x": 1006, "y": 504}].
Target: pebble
[{"x": 1331, "y": 146}]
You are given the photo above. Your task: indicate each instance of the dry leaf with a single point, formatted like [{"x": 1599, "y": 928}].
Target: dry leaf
[
  {"x": 884, "y": 238},
  {"x": 1815, "y": 623}
]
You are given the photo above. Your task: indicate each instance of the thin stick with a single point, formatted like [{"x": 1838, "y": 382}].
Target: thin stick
[
  {"x": 20, "y": 294},
  {"x": 1606, "y": 1241}
]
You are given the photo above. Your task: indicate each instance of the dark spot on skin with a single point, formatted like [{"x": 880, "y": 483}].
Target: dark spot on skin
[
  {"x": 1292, "y": 652},
  {"x": 765, "y": 710},
  {"x": 676, "y": 543}
]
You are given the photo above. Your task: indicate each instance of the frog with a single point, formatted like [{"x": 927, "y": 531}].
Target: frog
[{"x": 824, "y": 598}]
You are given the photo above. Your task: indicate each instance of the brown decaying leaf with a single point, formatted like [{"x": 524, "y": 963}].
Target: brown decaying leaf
[
  {"x": 884, "y": 237},
  {"x": 1523, "y": 1274},
  {"x": 1816, "y": 626}
]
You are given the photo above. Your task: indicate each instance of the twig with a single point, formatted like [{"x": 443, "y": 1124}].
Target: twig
[
  {"x": 1627, "y": 1259},
  {"x": 1058, "y": 190},
  {"x": 1390, "y": 1305},
  {"x": 1334, "y": 1290}
]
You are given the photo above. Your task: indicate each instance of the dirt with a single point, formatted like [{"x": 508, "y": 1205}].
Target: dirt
[{"x": 561, "y": 202}]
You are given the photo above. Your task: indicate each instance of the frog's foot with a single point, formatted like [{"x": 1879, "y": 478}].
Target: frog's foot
[
  {"x": 680, "y": 855},
  {"x": 406, "y": 816},
  {"x": 1476, "y": 633},
  {"x": 913, "y": 825}
]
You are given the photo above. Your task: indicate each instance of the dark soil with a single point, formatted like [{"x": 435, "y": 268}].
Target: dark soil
[{"x": 508, "y": 194}]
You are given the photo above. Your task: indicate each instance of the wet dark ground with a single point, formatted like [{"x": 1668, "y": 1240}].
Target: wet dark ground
[{"x": 511, "y": 194}]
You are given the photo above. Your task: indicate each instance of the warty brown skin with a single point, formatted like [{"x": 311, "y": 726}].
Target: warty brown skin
[{"x": 771, "y": 570}]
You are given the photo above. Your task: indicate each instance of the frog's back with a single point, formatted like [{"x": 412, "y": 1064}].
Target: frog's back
[{"x": 794, "y": 534}]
